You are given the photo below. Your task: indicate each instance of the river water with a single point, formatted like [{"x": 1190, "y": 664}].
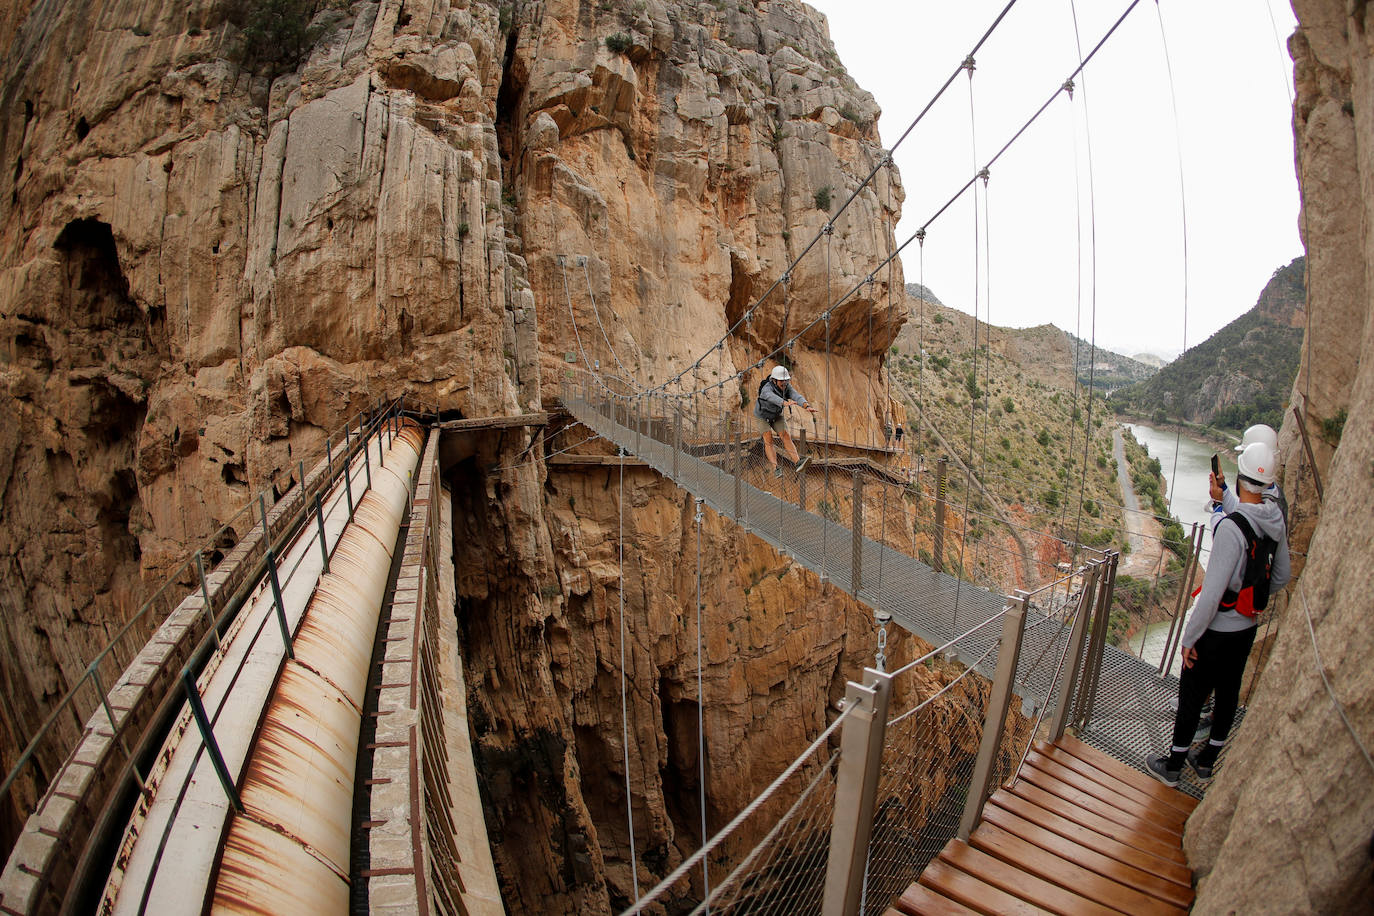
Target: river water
[{"x": 1188, "y": 500}]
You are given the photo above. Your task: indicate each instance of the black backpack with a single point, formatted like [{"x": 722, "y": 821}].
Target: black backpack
[{"x": 1253, "y": 596}]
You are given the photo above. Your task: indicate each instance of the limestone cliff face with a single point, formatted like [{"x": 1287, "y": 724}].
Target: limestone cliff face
[
  {"x": 204, "y": 269},
  {"x": 1286, "y": 825}
]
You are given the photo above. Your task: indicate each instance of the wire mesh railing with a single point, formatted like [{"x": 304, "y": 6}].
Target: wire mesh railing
[{"x": 923, "y": 773}]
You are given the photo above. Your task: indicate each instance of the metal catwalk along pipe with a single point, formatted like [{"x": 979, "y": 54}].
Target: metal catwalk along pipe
[{"x": 288, "y": 851}]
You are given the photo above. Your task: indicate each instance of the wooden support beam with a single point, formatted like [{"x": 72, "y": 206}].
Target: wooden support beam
[{"x": 508, "y": 422}]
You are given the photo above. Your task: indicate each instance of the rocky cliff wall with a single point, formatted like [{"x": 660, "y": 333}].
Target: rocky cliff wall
[
  {"x": 1286, "y": 826},
  {"x": 207, "y": 262}
]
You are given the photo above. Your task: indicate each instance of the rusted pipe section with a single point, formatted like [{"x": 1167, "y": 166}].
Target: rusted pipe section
[{"x": 289, "y": 849}]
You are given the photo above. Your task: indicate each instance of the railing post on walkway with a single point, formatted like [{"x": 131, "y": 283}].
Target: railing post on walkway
[
  {"x": 348, "y": 487},
  {"x": 939, "y": 548},
  {"x": 1106, "y": 590},
  {"x": 205, "y": 598},
  {"x": 1074, "y": 657},
  {"x": 1013, "y": 626},
  {"x": 856, "y": 787},
  {"x": 277, "y": 601},
  {"x": 677, "y": 436},
  {"x": 262, "y": 511},
  {"x": 207, "y": 737},
  {"x": 329, "y": 455},
  {"x": 801, "y": 478},
  {"x": 319, "y": 520},
  {"x": 856, "y": 560},
  {"x": 1166, "y": 660},
  {"x": 738, "y": 453}
]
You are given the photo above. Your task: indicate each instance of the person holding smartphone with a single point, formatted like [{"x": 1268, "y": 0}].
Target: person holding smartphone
[
  {"x": 1224, "y": 499},
  {"x": 1221, "y": 628}
]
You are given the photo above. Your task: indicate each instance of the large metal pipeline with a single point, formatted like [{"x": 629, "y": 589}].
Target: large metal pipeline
[{"x": 288, "y": 851}]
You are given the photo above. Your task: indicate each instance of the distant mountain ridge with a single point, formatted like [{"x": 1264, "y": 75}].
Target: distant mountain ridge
[
  {"x": 1046, "y": 352},
  {"x": 1240, "y": 375}
]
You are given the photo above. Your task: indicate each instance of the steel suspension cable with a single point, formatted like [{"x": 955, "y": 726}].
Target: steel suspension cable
[
  {"x": 1092, "y": 241},
  {"x": 973, "y": 372},
  {"x": 624, "y": 705},
  {"x": 701, "y": 735},
  {"x": 1183, "y": 219}
]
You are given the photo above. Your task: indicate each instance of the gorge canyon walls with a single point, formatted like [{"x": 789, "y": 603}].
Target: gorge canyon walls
[{"x": 212, "y": 253}]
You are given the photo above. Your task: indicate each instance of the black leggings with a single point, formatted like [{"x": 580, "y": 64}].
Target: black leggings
[{"x": 1219, "y": 667}]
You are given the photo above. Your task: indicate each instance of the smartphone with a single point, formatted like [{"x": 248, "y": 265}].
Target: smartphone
[{"x": 1216, "y": 466}]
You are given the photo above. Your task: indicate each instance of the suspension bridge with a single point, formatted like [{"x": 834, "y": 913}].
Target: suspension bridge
[{"x": 283, "y": 728}]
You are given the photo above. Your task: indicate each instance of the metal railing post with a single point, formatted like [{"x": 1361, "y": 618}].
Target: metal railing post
[
  {"x": 939, "y": 547},
  {"x": 677, "y": 437},
  {"x": 1074, "y": 657},
  {"x": 300, "y": 468},
  {"x": 1013, "y": 626},
  {"x": 207, "y": 737},
  {"x": 856, "y": 787},
  {"x": 1166, "y": 660},
  {"x": 279, "y": 604},
  {"x": 1106, "y": 590},
  {"x": 319, "y": 520},
  {"x": 367, "y": 461},
  {"x": 348, "y": 488},
  {"x": 205, "y": 598},
  {"x": 739, "y": 462},
  {"x": 262, "y": 511},
  {"x": 329, "y": 455},
  {"x": 857, "y": 558}
]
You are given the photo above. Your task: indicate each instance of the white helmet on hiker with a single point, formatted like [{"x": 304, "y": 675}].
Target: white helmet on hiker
[
  {"x": 780, "y": 374},
  {"x": 1258, "y": 462},
  {"x": 1259, "y": 433}
]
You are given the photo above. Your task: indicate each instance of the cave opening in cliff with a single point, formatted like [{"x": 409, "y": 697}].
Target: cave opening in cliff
[
  {"x": 508, "y": 99},
  {"x": 680, "y": 772}
]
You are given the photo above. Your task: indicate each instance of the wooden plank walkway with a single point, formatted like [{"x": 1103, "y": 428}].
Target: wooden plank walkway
[{"x": 1076, "y": 832}]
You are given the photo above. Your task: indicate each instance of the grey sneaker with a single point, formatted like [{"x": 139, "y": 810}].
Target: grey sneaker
[
  {"x": 777, "y": 471},
  {"x": 1158, "y": 767},
  {"x": 801, "y": 465},
  {"x": 1203, "y": 771}
]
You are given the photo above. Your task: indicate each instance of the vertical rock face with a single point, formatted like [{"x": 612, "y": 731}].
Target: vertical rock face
[
  {"x": 206, "y": 266},
  {"x": 1286, "y": 825}
]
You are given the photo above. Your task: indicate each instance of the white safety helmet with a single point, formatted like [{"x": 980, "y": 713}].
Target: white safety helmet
[
  {"x": 1259, "y": 433},
  {"x": 1259, "y": 462},
  {"x": 780, "y": 374}
]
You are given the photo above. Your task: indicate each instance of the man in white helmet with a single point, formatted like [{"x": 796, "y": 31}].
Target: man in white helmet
[
  {"x": 1225, "y": 499},
  {"x": 1221, "y": 628},
  {"x": 775, "y": 393}
]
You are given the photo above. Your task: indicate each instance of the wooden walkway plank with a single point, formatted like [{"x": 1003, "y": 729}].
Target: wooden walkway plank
[
  {"x": 1093, "y": 820},
  {"x": 1011, "y": 879},
  {"x": 975, "y": 893},
  {"x": 997, "y": 842},
  {"x": 1168, "y": 818},
  {"x": 1125, "y": 773},
  {"x": 1167, "y": 869},
  {"x": 1089, "y": 858},
  {"x": 922, "y": 901},
  {"x": 1159, "y": 794},
  {"x": 1049, "y": 793}
]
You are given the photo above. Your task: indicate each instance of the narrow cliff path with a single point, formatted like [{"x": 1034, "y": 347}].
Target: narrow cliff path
[{"x": 1134, "y": 523}]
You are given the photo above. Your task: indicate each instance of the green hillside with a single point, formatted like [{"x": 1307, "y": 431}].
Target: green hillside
[{"x": 1240, "y": 375}]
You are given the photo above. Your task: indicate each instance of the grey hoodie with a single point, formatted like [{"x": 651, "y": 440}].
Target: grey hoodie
[
  {"x": 1226, "y": 566},
  {"x": 770, "y": 402}
]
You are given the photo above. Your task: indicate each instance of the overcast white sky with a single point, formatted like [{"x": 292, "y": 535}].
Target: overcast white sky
[{"x": 1232, "y": 80}]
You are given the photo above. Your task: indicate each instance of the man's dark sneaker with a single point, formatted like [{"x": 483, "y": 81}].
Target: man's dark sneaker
[
  {"x": 1158, "y": 766},
  {"x": 777, "y": 471},
  {"x": 1204, "y": 728},
  {"x": 1203, "y": 770}
]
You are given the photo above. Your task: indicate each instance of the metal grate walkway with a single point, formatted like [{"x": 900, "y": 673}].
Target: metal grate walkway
[{"x": 1133, "y": 713}]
